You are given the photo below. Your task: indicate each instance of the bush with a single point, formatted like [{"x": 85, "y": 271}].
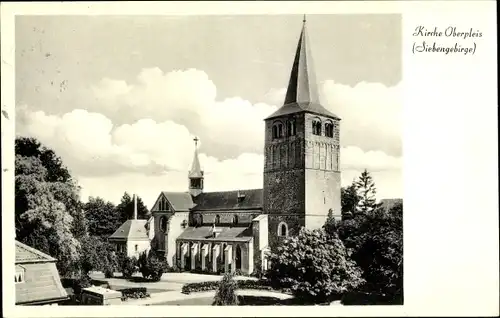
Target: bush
[
  {"x": 135, "y": 292},
  {"x": 151, "y": 267},
  {"x": 314, "y": 266},
  {"x": 226, "y": 292},
  {"x": 213, "y": 285},
  {"x": 127, "y": 265},
  {"x": 80, "y": 283}
]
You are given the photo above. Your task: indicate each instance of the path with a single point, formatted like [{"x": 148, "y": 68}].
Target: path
[{"x": 176, "y": 295}]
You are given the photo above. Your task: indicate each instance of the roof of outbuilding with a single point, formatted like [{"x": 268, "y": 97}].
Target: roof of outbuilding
[
  {"x": 27, "y": 254},
  {"x": 131, "y": 229},
  {"x": 42, "y": 283}
]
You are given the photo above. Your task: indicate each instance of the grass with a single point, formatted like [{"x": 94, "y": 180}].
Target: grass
[
  {"x": 202, "y": 301},
  {"x": 242, "y": 300}
]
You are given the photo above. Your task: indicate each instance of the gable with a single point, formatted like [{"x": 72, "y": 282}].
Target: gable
[{"x": 173, "y": 201}]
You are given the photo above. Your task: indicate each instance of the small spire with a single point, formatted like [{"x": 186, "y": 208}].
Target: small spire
[{"x": 195, "y": 171}]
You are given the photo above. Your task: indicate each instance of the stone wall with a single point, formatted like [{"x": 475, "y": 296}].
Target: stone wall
[
  {"x": 142, "y": 246},
  {"x": 284, "y": 192}
]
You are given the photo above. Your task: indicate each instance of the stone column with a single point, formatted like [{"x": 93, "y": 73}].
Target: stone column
[
  {"x": 249, "y": 260},
  {"x": 184, "y": 249},
  {"x": 215, "y": 255},
  {"x": 204, "y": 254},
  {"x": 228, "y": 255},
  {"x": 194, "y": 252}
]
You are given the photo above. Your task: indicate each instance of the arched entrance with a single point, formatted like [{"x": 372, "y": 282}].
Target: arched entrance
[{"x": 237, "y": 257}]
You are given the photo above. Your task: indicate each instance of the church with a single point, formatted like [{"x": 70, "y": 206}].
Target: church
[{"x": 232, "y": 230}]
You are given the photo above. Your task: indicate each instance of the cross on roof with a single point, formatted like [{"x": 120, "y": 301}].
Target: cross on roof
[{"x": 196, "y": 141}]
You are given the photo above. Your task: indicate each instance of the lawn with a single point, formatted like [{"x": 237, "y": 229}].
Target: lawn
[
  {"x": 243, "y": 301},
  {"x": 202, "y": 301}
]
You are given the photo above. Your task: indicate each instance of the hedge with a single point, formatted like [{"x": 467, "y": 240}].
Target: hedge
[
  {"x": 213, "y": 285},
  {"x": 134, "y": 292}
]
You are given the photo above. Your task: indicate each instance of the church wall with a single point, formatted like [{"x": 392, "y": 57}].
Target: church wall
[
  {"x": 284, "y": 192},
  {"x": 226, "y": 217},
  {"x": 322, "y": 194},
  {"x": 142, "y": 245},
  {"x": 293, "y": 222},
  {"x": 175, "y": 229}
]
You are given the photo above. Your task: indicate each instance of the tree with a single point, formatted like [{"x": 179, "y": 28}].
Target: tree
[
  {"x": 376, "y": 241},
  {"x": 97, "y": 255},
  {"x": 126, "y": 208},
  {"x": 226, "y": 292},
  {"x": 30, "y": 147},
  {"x": 102, "y": 217},
  {"x": 58, "y": 177},
  {"x": 314, "y": 266},
  {"x": 349, "y": 200},
  {"x": 41, "y": 215},
  {"x": 366, "y": 190}
]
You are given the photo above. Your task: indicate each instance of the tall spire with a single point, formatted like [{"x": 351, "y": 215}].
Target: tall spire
[
  {"x": 302, "y": 92},
  {"x": 302, "y": 86},
  {"x": 195, "y": 171}
]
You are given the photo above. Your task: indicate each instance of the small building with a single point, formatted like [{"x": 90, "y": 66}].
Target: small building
[
  {"x": 131, "y": 237},
  {"x": 96, "y": 295},
  {"x": 36, "y": 278}
]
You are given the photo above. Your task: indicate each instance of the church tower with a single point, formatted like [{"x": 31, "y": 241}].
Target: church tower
[
  {"x": 302, "y": 154},
  {"x": 195, "y": 174}
]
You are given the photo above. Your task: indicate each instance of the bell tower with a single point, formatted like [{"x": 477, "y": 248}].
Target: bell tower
[
  {"x": 196, "y": 174},
  {"x": 302, "y": 154}
]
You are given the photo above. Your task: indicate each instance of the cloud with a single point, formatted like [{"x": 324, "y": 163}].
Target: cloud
[
  {"x": 188, "y": 97},
  {"x": 162, "y": 112},
  {"x": 371, "y": 114},
  {"x": 97, "y": 152}
]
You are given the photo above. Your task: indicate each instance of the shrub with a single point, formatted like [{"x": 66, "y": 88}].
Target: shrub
[
  {"x": 135, "y": 292},
  {"x": 213, "y": 285},
  {"x": 226, "y": 291},
  {"x": 314, "y": 266},
  {"x": 127, "y": 265},
  {"x": 81, "y": 283},
  {"x": 151, "y": 267}
]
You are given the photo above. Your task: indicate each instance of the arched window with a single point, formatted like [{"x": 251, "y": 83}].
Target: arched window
[
  {"x": 277, "y": 130},
  {"x": 136, "y": 247},
  {"x": 217, "y": 219},
  {"x": 316, "y": 127},
  {"x": 291, "y": 129},
  {"x": 235, "y": 219},
  {"x": 329, "y": 129},
  {"x": 200, "y": 220},
  {"x": 282, "y": 229},
  {"x": 163, "y": 224}
]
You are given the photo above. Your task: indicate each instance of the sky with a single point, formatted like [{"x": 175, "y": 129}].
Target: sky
[{"x": 120, "y": 98}]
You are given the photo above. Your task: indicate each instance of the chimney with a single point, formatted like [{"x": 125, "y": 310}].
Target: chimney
[{"x": 135, "y": 207}]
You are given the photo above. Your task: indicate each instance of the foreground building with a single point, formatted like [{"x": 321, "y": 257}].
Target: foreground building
[
  {"x": 36, "y": 278},
  {"x": 232, "y": 230}
]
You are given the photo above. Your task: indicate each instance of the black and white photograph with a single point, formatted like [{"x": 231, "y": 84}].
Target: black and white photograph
[
  {"x": 209, "y": 160},
  {"x": 216, "y": 160}
]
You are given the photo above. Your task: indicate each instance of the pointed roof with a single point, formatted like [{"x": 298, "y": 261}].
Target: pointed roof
[
  {"x": 196, "y": 171},
  {"x": 131, "y": 230},
  {"x": 302, "y": 93},
  {"x": 27, "y": 254}
]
